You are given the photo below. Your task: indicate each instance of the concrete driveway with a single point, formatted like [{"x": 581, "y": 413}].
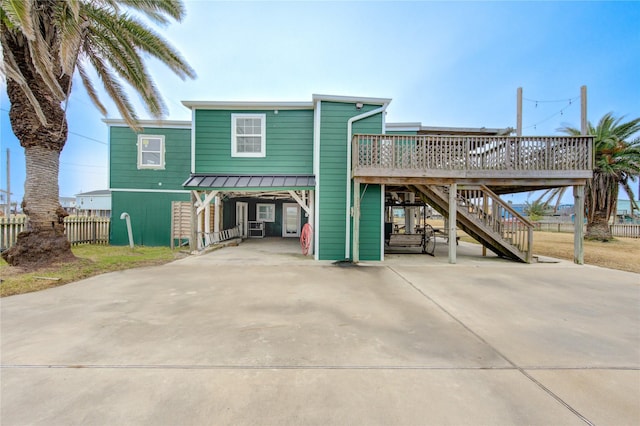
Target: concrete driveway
[{"x": 246, "y": 336}]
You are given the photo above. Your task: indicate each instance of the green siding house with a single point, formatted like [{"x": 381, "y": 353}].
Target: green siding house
[
  {"x": 278, "y": 164},
  {"x": 333, "y": 170}
]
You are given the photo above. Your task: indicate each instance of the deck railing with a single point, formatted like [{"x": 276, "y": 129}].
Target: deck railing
[
  {"x": 408, "y": 155},
  {"x": 488, "y": 209}
]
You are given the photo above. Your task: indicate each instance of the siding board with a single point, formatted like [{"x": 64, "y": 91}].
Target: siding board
[
  {"x": 333, "y": 176},
  {"x": 289, "y": 143}
]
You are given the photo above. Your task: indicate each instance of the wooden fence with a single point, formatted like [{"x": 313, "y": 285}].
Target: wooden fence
[
  {"x": 625, "y": 230},
  {"x": 617, "y": 230},
  {"x": 79, "y": 230}
]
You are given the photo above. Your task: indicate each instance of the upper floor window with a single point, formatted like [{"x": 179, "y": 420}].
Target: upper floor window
[
  {"x": 150, "y": 152},
  {"x": 248, "y": 135}
]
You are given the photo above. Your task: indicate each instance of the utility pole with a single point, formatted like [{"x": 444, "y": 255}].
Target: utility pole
[{"x": 9, "y": 182}]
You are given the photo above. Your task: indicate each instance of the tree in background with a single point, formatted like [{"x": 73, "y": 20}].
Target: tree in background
[
  {"x": 536, "y": 210},
  {"x": 617, "y": 164},
  {"x": 44, "y": 43}
]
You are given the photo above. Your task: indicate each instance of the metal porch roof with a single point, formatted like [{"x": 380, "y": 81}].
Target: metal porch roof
[{"x": 228, "y": 182}]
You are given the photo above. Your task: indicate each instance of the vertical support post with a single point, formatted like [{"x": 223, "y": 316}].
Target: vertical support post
[
  {"x": 409, "y": 215},
  {"x": 312, "y": 218},
  {"x": 356, "y": 221},
  {"x": 485, "y": 208},
  {"x": 584, "y": 124},
  {"x": 193, "y": 245},
  {"x": 519, "y": 114},
  {"x": 207, "y": 218},
  {"x": 578, "y": 232},
  {"x": 453, "y": 207},
  {"x": 217, "y": 204}
]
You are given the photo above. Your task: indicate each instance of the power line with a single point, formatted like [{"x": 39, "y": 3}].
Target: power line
[
  {"x": 560, "y": 112},
  {"x": 537, "y": 101},
  {"x": 81, "y": 165},
  {"x": 87, "y": 137},
  {"x": 76, "y": 133}
]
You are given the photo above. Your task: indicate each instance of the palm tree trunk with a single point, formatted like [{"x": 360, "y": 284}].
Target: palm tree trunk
[
  {"x": 44, "y": 241},
  {"x": 598, "y": 228},
  {"x": 601, "y": 193}
]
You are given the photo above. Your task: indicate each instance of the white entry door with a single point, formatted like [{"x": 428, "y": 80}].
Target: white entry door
[
  {"x": 242, "y": 217},
  {"x": 290, "y": 220}
]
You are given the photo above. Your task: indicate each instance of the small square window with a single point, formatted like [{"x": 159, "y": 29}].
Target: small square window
[
  {"x": 248, "y": 135},
  {"x": 265, "y": 212},
  {"x": 150, "y": 152}
]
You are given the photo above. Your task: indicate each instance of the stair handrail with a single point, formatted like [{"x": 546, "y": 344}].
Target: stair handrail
[{"x": 511, "y": 210}]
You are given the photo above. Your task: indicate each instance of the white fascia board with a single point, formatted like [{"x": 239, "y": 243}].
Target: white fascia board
[
  {"x": 167, "y": 191},
  {"x": 246, "y": 105},
  {"x": 477, "y": 130},
  {"x": 403, "y": 127},
  {"x": 167, "y": 124},
  {"x": 351, "y": 99}
]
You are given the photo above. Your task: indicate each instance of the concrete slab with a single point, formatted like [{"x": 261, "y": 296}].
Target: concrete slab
[
  {"x": 277, "y": 397},
  {"x": 555, "y": 315},
  {"x": 605, "y": 396},
  {"x": 262, "y": 315},
  {"x": 249, "y": 335}
]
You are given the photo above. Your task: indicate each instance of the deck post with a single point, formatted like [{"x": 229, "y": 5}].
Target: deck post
[
  {"x": 578, "y": 233},
  {"x": 355, "y": 246},
  {"x": 453, "y": 192},
  {"x": 207, "y": 218},
  {"x": 193, "y": 245},
  {"x": 312, "y": 219},
  {"x": 216, "y": 214}
]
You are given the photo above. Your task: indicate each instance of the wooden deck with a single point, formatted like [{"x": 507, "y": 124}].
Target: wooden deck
[
  {"x": 463, "y": 176},
  {"x": 532, "y": 162}
]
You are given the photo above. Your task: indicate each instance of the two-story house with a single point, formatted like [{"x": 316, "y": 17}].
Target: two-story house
[{"x": 271, "y": 167}]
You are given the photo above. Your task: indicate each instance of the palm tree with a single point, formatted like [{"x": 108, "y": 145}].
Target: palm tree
[
  {"x": 44, "y": 42},
  {"x": 617, "y": 164}
]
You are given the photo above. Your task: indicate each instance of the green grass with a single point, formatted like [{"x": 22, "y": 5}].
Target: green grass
[{"x": 92, "y": 260}]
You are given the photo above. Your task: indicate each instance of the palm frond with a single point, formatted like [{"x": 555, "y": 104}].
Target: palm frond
[
  {"x": 16, "y": 14},
  {"x": 157, "y": 9},
  {"x": 13, "y": 72},
  {"x": 91, "y": 91}
]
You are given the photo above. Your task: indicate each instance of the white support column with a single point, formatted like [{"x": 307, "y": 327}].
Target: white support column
[
  {"x": 193, "y": 238},
  {"x": 409, "y": 214},
  {"x": 312, "y": 218},
  {"x": 453, "y": 207},
  {"x": 217, "y": 210},
  {"x": 207, "y": 218},
  {"x": 356, "y": 221},
  {"x": 578, "y": 232}
]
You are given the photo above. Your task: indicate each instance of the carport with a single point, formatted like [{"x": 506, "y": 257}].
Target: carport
[{"x": 268, "y": 191}]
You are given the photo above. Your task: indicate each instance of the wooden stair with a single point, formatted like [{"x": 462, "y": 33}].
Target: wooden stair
[{"x": 485, "y": 217}]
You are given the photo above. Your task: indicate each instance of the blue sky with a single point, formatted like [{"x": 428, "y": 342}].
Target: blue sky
[{"x": 442, "y": 63}]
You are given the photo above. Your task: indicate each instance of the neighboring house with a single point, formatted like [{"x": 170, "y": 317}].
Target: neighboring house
[
  {"x": 69, "y": 204},
  {"x": 94, "y": 203},
  {"x": 271, "y": 167},
  {"x": 626, "y": 213}
]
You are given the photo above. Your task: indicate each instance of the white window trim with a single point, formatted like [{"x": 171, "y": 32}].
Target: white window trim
[
  {"x": 263, "y": 141},
  {"x": 272, "y": 212},
  {"x": 162, "y": 151}
]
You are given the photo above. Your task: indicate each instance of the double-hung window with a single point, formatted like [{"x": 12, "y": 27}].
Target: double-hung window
[
  {"x": 248, "y": 135},
  {"x": 150, "y": 152},
  {"x": 265, "y": 212}
]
